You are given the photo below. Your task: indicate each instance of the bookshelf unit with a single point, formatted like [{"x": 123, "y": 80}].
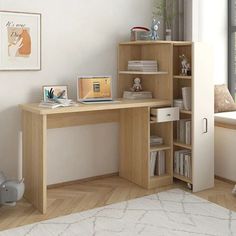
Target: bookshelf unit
[{"x": 166, "y": 85}]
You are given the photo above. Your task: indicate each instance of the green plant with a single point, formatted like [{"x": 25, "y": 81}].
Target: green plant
[{"x": 165, "y": 9}]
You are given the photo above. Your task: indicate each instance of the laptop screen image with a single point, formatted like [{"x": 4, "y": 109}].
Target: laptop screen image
[{"x": 94, "y": 88}]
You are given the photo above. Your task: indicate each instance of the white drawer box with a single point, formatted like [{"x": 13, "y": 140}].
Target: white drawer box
[{"x": 165, "y": 114}]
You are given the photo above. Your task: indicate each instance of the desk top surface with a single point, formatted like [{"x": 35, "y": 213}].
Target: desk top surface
[{"x": 120, "y": 104}]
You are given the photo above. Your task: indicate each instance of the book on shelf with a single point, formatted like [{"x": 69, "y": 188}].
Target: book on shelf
[
  {"x": 157, "y": 163},
  {"x": 184, "y": 131},
  {"x": 182, "y": 163},
  {"x": 137, "y": 95},
  {"x": 143, "y": 66},
  {"x": 186, "y": 94},
  {"x": 155, "y": 140}
]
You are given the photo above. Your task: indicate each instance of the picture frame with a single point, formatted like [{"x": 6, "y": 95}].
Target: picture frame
[
  {"x": 20, "y": 41},
  {"x": 54, "y": 92}
]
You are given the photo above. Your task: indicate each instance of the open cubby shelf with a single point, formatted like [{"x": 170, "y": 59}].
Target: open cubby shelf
[{"x": 126, "y": 72}]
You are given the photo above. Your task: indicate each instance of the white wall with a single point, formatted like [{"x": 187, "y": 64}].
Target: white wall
[
  {"x": 78, "y": 37},
  {"x": 209, "y": 24}
]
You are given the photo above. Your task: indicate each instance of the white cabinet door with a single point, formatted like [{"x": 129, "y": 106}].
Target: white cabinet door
[{"x": 203, "y": 117}]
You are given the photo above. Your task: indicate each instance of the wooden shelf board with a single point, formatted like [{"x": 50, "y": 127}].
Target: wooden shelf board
[
  {"x": 182, "y": 43},
  {"x": 183, "y": 178},
  {"x": 183, "y": 145},
  {"x": 152, "y": 122},
  {"x": 186, "y": 112},
  {"x": 155, "y": 177},
  {"x": 159, "y": 148},
  {"x": 126, "y": 72},
  {"x": 142, "y": 42},
  {"x": 159, "y": 181},
  {"x": 182, "y": 77}
]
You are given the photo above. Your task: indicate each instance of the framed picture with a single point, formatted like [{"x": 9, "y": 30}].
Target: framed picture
[
  {"x": 20, "y": 41},
  {"x": 55, "y": 92}
]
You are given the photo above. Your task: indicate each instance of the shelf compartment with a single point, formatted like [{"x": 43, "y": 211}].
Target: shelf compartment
[
  {"x": 160, "y": 147},
  {"x": 183, "y": 145},
  {"x": 186, "y": 112},
  {"x": 182, "y": 77},
  {"x": 183, "y": 178},
  {"x": 158, "y": 181},
  {"x": 126, "y": 72}
]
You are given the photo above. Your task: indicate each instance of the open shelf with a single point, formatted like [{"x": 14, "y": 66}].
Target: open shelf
[
  {"x": 186, "y": 112},
  {"x": 159, "y": 147},
  {"x": 182, "y": 77},
  {"x": 183, "y": 178},
  {"x": 183, "y": 145},
  {"x": 126, "y": 72}
]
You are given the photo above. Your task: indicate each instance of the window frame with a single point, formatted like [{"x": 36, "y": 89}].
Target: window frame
[{"x": 231, "y": 30}]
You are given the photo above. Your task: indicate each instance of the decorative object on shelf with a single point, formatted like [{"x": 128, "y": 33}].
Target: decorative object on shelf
[
  {"x": 11, "y": 191},
  {"x": 140, "y": 33},
  {"x": 186, "y": 93},
  {"x": 164, "y": 9},
  {"x": 154, "y": 29},
  {"x": 20, "y": 46},
  {"x": 137, "y": 87},
  {"x": 54, "y": 92},
  {"x": 185, "y": 66}
]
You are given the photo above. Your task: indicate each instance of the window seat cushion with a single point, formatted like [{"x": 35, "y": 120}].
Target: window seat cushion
[{"x": 226, "y": 117}]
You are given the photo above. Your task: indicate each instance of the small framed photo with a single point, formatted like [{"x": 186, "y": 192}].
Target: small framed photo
[
  {"x": 51, "y": 92},
  {"x": 20, "y": 41}
]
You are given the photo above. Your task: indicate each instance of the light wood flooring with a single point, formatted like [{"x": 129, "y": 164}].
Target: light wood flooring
[{"x": 79, "y": 197}]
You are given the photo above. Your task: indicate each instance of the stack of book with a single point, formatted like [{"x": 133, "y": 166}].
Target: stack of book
[
  {"x": 144, "y": 66},
  {"x": 57, "y": 103},
  {"x": 182, "y": 163},
  {"x": 186, "y": 94},
  {"x": 157, "y": 163},
  {"x": 137, "y": 95},
  {"x": 184, "y": 131},
  {"x": 155, "y": 140}
]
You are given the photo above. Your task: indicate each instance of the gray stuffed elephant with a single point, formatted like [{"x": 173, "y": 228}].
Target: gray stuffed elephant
[{"x": 11, "y": 191}]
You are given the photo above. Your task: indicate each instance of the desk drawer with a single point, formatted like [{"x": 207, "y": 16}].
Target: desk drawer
[{"x": 165, "y": 114}]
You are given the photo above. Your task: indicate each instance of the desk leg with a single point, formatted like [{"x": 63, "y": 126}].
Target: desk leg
[
  {"x": 134, "y": 145},
  {"x": 34, "y": 131}
]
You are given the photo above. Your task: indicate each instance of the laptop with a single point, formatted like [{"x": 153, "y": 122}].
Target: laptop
[{"x": 94, "y": 89}]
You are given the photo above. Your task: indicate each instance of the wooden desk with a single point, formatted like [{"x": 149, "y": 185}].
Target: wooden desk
[{"x": 134, "y": 119}]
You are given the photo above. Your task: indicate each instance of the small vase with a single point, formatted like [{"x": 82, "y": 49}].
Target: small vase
[{"x": 168, "y": 35}]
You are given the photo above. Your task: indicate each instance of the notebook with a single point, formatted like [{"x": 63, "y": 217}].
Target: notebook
[{"x": 92, "y": 89}]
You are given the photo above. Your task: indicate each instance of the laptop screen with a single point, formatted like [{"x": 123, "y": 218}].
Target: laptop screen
[{"x": 94, "y": 88}]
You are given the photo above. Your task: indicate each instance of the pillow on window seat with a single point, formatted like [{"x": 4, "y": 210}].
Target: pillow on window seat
[{"x": 223, "y": 99}]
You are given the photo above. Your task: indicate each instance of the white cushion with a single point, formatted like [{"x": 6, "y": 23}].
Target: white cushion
[{"x": 226, "y": 117}]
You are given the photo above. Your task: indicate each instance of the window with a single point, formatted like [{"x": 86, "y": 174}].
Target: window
[{"x": 232, "y": 46}]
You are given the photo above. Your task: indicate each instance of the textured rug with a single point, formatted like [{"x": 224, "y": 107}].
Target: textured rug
[{"x": 173, "y": 212}]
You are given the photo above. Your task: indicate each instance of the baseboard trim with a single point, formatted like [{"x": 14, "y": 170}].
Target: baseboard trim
[
  {"x": 225, "y": 180},
  {"x": 79, "y": 181}
]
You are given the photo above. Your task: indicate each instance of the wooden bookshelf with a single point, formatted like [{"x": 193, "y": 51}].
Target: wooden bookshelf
[
  {"x": 183, "y": 178},
  {"x": 182, "y": 145},
  {"x": 143, "y": 72},
  {"x": 161, "y": 147}
]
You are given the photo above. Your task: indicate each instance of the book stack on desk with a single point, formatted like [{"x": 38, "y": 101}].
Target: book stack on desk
[{"x": 54, "y": 104}]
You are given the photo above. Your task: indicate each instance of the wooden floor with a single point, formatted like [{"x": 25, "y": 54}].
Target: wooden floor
[{"x": 97, "y": 193}]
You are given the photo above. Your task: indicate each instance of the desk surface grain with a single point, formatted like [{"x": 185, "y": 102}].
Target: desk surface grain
[{"x": 120, "y": 104}]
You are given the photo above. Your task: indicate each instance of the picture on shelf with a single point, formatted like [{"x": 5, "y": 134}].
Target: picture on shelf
[{"x": 55, "y": 92}]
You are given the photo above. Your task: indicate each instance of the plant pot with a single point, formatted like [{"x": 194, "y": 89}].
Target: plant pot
[{"x": 168, "y": 35}]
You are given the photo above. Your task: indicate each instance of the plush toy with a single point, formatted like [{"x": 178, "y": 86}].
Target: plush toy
[
  {"x": 137, "y": 85},
  {"x": 11, "y": 191},
  {"x": 154, "y": 29}
]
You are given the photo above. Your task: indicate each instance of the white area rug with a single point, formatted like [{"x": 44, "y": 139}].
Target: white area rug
[{"x": 173, "y": 212}]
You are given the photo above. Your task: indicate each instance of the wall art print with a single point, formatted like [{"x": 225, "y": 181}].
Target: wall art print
[{"x": 20, "y": 41}]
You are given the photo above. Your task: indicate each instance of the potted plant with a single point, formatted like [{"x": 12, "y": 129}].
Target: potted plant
[{"x": 165, "y": 10}]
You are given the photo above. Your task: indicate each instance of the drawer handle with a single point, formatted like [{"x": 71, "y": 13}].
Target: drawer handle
[{"x": 168, "y": 114}]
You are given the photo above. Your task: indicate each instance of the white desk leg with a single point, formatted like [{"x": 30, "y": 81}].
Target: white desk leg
[{"x": 34, "y": 131}]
